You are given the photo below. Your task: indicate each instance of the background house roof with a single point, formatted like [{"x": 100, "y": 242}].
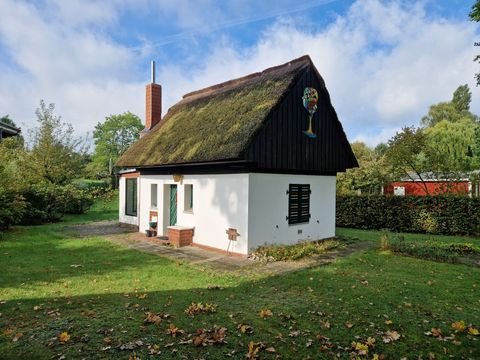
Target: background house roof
[
  {"x": 8, "y": 130},
  {"x": 216, "y": 123}
]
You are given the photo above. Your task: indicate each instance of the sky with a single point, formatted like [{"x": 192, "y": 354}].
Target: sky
[{"x": 384, "y": 61}]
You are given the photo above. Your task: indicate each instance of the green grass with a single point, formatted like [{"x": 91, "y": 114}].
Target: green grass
[
  {"x": 374, "y": 235},
  {"x": 102, "y": 303}
]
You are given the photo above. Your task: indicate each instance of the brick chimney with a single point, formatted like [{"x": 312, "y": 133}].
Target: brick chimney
[{"x": 153, "y": 103}]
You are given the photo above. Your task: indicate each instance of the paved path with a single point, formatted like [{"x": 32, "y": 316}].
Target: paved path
[
  {"x": 112, "y": 231},
  {"x": 232, "y": 264}
]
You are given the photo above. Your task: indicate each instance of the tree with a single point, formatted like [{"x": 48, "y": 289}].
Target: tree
[
  {"x": 453, "y": 111},
  {"x": 450, "y": 148},
  {"x": 406, "y": 153},
  {"x": 475, "y": 13},
  {"x": 371, "y": 174},
  {"x": 112, "y": 139},
  {"x": 56, "y": 155},
  {"x": 475, "y": 16}
]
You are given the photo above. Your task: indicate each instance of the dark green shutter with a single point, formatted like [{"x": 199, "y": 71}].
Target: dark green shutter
[{"x": 298, "y": 203}]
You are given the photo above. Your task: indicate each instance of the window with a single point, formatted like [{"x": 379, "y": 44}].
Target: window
[
  {"x": 153, "y": 196},
  {"x": 298, "y": 203},
  {"x": 131, "y": 197},
  {"x": 188, "y": 201}
]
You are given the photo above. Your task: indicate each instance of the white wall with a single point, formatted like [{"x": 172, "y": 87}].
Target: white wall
[
  {"x": 219, "y": 202},
  {"x": 125, "y": 219},
  {"x": 254, "y": 204},
  {"x": 268, "y": 202}
]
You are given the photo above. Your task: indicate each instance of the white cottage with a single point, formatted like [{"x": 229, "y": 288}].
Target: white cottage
[{"x": 239, "y": 164}]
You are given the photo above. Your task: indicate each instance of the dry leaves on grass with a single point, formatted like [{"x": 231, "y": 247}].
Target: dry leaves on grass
[
  {"x": 131, "y": 345},
  {"x": 254, "y": 348},
  {"x": 325, "y": 324},
  {"x": 64, "y": 337},
  {"x": 264, "y": 313},
  {"x": 459, "y": 326},
  {"x": 153, "y": 318},
  {"x": 390, "y": 336},
  {"x": 199, "y": 308},
  {"x": 215, "y": 336},
  {"x": 174, "y": 331},
  {"x": 245, "y": 329}
]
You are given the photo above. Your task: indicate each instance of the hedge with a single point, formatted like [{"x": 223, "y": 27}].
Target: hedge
[{"x": 446, "y": 215}]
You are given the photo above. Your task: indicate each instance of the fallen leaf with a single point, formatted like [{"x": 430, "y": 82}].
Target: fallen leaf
[
  {"x": 63, "y": 337},
  {"x": 361, "y": 349},
  {"x": 152, "y": 318},
  {"x": 265, "y": 313},
  {"x": 348, "y": 325},
  {"x": 390, "y": 336},
  {"x": 388, "y": 322},
  {"x": 473, "y": 331},
  {"x": 174, "y": 331},
  {"x": 370, "y": 342},
  {"x": 17, "y": 337},
  {"x": 270, "y": 349},
  {"x": 245, "y": 329},
  {"x": 131, "y": 345},
  {"x": 325, "y": 324},
  {"x": 458, "y": 326}
]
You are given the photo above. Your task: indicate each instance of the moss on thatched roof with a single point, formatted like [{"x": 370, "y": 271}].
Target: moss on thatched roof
[{"x": 217, "y": 123}]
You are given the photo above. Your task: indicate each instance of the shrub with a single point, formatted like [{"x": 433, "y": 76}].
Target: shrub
[
  {"x": 48, "y": 203},
  {"x": 296, "y": 251},
  {"x": 448, "y": 215},
  {"x": 75, "y": 200},
  {"x": 44, "y": 204},
  {"x": 12, "y": 208}
]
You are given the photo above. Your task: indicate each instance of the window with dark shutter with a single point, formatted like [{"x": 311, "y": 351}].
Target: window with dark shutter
[{"x": 298, "y": 203}]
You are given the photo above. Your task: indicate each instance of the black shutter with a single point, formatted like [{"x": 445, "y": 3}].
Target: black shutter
[{"x": 298, "y": 203}]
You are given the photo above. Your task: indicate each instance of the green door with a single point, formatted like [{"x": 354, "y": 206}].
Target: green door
[{"x": 173, "y": 205}]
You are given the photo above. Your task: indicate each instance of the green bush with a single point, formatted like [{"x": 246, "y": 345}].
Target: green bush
[
  {"x": 44, "y": 204},
  {"x": 75, "y": 200},
  {"x": 12, "y": 208},
  {"x": 448, "y": 215},
  {"x": 48, "y": 203}
]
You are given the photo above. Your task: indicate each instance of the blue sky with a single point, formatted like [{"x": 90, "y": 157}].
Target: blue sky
[{"x": 384, "y": 62}]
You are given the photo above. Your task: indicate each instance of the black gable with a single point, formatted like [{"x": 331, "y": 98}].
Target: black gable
[{"x": 281, "y": 144}]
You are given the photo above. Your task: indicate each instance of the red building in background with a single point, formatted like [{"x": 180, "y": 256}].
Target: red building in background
[{"x": 432, "y": 187}]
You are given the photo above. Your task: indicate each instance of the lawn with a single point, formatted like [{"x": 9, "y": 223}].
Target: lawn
[{"x": 88, "y": 298}]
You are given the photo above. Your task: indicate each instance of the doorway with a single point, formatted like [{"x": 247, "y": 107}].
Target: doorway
[{"x": 173, "y": 205}]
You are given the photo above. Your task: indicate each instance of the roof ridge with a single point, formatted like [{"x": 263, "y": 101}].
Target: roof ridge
[{"x": 227, "y": 83}]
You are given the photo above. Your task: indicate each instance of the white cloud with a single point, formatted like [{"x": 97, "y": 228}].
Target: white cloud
[
  {"x": 80, "y": 70},
  {"x": 384, "y": 63}
]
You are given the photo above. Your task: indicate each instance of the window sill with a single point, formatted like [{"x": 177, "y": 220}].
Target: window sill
[{"x": 188, "y": 212}]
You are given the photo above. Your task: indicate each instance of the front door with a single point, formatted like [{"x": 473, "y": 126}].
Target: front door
[{"x": 173, "y": 205}]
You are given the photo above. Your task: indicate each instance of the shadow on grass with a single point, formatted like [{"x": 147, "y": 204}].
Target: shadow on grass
[
  {"x": 43, "y": 254},
  {"x": 363, "y": 290}
]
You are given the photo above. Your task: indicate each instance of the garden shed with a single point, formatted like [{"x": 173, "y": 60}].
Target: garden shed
[{"x": 239, "y": 164}]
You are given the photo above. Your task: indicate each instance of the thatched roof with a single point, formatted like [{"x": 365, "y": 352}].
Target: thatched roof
[{"x": 216, "y": 123}]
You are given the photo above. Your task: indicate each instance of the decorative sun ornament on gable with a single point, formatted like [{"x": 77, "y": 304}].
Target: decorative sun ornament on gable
[{"x": 310, "y": 101}]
